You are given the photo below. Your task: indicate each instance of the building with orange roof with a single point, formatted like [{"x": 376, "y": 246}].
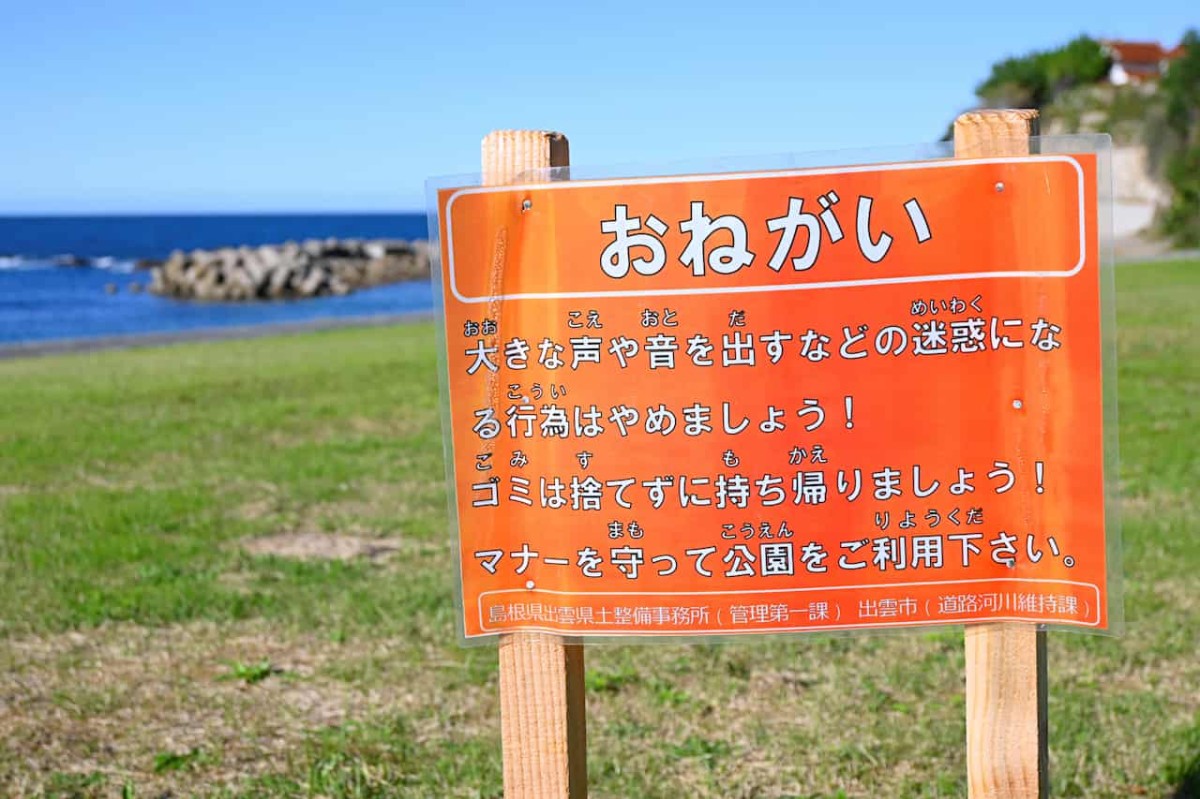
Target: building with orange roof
[{"x": 1138, "y": 62}]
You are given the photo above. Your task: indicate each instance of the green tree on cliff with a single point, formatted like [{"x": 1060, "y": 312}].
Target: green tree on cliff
[
  {"x": 1032, "y": 80},
  {"x": 1181, "y": 91}
]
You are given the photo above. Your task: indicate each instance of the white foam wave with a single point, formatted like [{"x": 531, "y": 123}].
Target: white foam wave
[
  {"x": 19, "y": 263},
  {"x": 108, "y": 263},
  {"x": 122, "y": 266}
]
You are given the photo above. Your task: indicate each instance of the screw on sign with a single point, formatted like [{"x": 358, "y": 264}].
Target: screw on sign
[{"x": 777, "y": 402}]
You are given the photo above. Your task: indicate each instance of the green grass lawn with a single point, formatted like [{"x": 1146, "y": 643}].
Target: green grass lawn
[{"x": 146, "y": 647}]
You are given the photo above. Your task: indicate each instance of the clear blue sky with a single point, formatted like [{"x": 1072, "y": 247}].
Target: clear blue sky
[{"x": 334, "y": 105}]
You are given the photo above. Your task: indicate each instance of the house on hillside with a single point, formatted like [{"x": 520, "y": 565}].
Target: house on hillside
[{"x": 1138, "y": 62}]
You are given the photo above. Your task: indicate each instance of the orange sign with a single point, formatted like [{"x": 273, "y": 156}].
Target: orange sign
[{"x": 771, "y": 402}]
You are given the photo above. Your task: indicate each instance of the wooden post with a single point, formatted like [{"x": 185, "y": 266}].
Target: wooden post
[
  {"x": 1006, "y": 663},
  {"x": 543, "y": 721}
]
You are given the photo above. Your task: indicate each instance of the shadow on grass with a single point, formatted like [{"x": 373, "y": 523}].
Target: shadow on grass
[{"x": 1189, "y": 780}]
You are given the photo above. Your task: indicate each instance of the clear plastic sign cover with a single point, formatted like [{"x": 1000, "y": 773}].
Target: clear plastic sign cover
[{"x": 778, "y": 401}]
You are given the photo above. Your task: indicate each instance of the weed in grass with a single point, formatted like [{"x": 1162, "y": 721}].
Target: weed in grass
[
  {"x": 75, "y": 785},
  {"x": 177, "y": 761},
  {"x": 706, "y": 750},
  {"x": 604, "y": 681},
  {"x": 251, "y": 673},
  {"x": 667, "y": 694}
]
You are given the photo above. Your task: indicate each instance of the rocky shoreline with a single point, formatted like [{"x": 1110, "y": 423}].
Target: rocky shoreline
[{"x": 314, "y": 268}]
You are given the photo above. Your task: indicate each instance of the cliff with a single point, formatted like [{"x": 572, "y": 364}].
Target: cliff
[{"x": 1135, "y": 117}]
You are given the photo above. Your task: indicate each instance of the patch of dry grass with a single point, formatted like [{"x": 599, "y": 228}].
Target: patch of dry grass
[
  {"x": 879, "y": 716},
  {"x": 114, "y": 699}
]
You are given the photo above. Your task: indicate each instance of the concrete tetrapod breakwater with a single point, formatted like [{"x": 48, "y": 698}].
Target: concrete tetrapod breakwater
[{"x": 286, "y": 271}]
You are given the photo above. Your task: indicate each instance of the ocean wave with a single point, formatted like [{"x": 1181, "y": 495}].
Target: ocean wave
[
  {"x": 107, "y": 263},
  {"x": 14, "y": 263},
  {"x": 122, "y": 266}
]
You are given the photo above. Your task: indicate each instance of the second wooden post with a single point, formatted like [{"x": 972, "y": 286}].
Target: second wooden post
[{"x": 1006, "y": 663}]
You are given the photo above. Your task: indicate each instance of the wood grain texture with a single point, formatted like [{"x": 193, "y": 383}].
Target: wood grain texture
[
  {"x": 1006, "y": 663},
  {"x": 984, "y": 134},
  {"x": 543, "y": 717},
  {"x": 508, "y": 154}
]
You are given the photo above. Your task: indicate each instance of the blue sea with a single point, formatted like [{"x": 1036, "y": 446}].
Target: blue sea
[{"x": 43, "y": 300}]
